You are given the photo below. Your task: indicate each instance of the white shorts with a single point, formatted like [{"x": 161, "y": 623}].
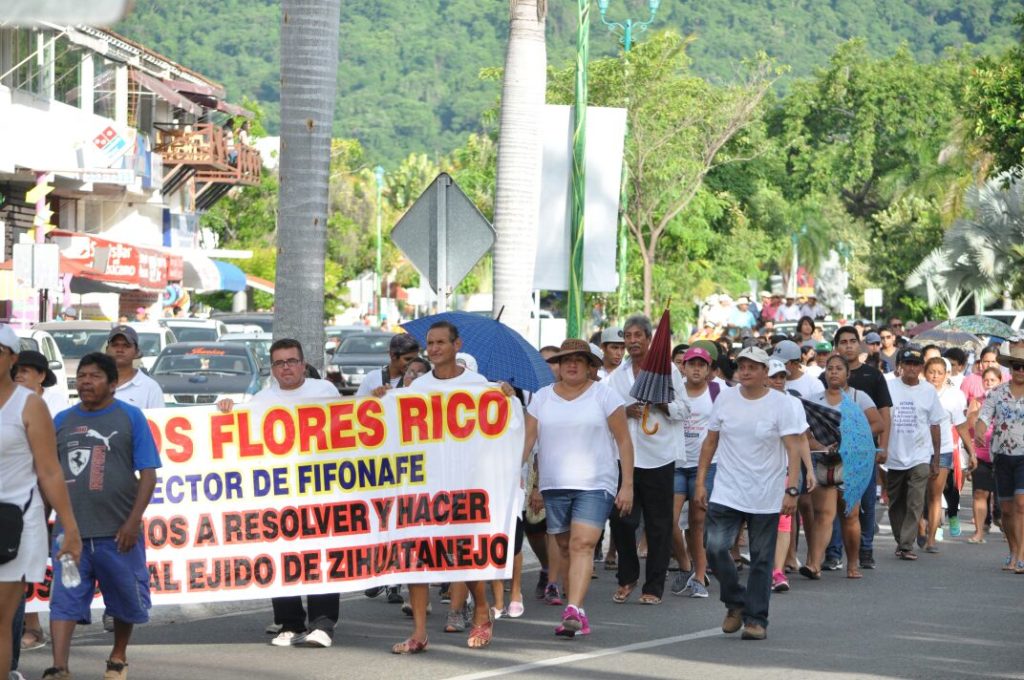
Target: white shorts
[{"x": 30, "y": 564}]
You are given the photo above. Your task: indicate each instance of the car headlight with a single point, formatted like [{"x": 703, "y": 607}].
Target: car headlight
[{"x": 333, "y": 368}]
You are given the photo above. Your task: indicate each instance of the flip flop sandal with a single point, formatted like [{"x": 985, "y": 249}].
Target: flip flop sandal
[
  {"x": 647, "y": 598},
  {"x": 854, "y": 574},
  {"x": 610, "y": 565},
  {"x": 931, "y": 549},
  {"x": 32, "y": 638},
  {"x": 907, "y": 555},
  {"x": 622, "y": 593},
  {"x": 482, "y": 634},
  {"x": 807, "y": 572},
  {"x": 976, "y": 541},
  {"x": 410, "y": 646}
]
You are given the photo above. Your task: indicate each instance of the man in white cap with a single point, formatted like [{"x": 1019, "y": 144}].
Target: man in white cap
[
  {"x": 812, "y": 309},
  {"x": 742, "y": 317},
  {"x": 797, "y": 379},
  {"x": 790, "y": 311},
  {"x": 754, "y": 482},
  {"x": 613, "y": 348}
]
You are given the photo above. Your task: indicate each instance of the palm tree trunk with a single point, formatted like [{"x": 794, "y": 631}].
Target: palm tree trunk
[
  {"x": 517, "y": 190},
  {"x": 309, "y": 71}
]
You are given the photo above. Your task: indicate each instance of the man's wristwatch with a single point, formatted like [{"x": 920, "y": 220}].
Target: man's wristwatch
[{"x": 792, "y": 491}]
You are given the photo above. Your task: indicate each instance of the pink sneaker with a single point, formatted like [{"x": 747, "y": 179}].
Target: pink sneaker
[
  {"x": 574, "y": 622},
  {"x": 780, "y": 583}
]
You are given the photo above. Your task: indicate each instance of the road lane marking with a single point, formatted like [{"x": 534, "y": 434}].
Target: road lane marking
[{"x": 587, "y": 656}]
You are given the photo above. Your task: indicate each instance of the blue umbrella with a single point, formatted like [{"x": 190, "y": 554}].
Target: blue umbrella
[{"x": 500, "y": 352}]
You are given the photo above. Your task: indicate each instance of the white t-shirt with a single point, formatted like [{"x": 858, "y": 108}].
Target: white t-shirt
[
  {"x": 56, "y": 401},
  {"x": 954, "y": 403},
  {"x": 310, "y": 388},
  {"x": 657, "y": 449},
  {"x": 814, "y": 370},
  {"x": 914, "y": 410},
  {"x": 860, "y": 398},
  {"x": 806, "y": 385},
  {"x": 751, "y": 474},
  {"x": 141, "y": 391},
  {"x": 575, "y": 449},
  {"x": 428, "y": 383},
  {"x": 695, "y": 428},
  {"x": 375, "y": 379}
]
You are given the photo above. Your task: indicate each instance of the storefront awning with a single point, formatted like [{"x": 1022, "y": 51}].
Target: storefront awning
[
  {"x": 117, "y": 266},
  {"x": 204, "y": 275},
  {"x": 165, "y": 92},
  {"x": 256, "y": 283}
]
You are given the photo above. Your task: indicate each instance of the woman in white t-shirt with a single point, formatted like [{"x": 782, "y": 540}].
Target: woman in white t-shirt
[
  {"x": 828, "y": 474},
  {"x": 954, "y": 405},
  {"x": 580, "y": 429}
]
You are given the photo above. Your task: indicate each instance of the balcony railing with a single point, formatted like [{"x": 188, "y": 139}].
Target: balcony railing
[{"x": 204, "y": 147}]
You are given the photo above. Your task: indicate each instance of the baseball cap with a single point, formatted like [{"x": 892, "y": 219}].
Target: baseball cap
[
  {"x": 787, "y": 350},
  {"x": 823, "y": 346},
  {"x": 775, "y": 367},
  {"x": 140, "y": 309},
  {"x": 697, "y": 353},
  {"x": 8, "y": 338},
  {"x": 612, "y": 334},
  {"x": 755, "y": 354},
  {"x": 597, "y": 351},
  {"x": 127, "y": 331},
  {"x": 910, "y": 355},
  {"x": 873, "y": 339},
  {"x": 708, "y": 346}
]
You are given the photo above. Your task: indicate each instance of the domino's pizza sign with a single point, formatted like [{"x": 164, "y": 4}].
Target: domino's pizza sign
[{"x": 111, "y": 145}]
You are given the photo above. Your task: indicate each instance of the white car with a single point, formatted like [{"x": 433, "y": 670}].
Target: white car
[
  {"x": 152, "y": 338},
  {"x": 259, "y": 342},
  {"x": 195, "y": 330},
  {"x": 41, "y": 341}
]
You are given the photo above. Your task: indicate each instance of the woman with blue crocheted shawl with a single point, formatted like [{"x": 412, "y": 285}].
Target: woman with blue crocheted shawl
[{"x": 843, "y": 467}]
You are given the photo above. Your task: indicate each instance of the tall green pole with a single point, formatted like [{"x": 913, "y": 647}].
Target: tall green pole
[
  {"x": 379, "y": 175},
  {"x": 574, "y": 307}
]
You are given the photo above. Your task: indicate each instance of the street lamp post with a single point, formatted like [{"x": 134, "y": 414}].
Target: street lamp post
[
  {"x": 379, "y": 174},
  {"x": 625, "y": 32},
  {"x": 574, "y": 296}
]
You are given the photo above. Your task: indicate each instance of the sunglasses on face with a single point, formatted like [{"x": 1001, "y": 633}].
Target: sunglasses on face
[{"x": 1017, "y": 367}]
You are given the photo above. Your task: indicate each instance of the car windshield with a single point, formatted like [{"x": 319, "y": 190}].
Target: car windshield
[
  {"x": 204, "y": 359},
  {"x": 28, "y": 344},
  {"x": 259, "y": 347},
  {"x": 194, "y": 333},
  {"x": 149, "y": 343},
  {"x": 365, "y": 344},
  {"x": 75, "y": 344}
]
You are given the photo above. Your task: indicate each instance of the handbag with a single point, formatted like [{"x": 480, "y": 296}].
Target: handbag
[
  {"x": 12, "y": 522},
  {"x": 828, "y": 469}
]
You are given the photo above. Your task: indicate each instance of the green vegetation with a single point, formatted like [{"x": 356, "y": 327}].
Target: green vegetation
[{"x": 409, "y": 71}]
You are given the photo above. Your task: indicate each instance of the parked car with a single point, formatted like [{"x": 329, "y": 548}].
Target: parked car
[
  {"x": 191, "y": 373},
  {"x": 789, "y": 328},
  {"x": 259, "y": 343},
  {"x": 195, "y": 330},
  {"x": 75, "y": 339},
  {"x": 265, "y": 320},
  {"x": 152, "y": 340},
  {"x": 357, "y": 356},
  {"x": 43, "y": 342},
  {"x": 335, "y": 334}
]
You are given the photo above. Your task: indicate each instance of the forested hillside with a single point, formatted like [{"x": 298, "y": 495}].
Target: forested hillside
[{"x": 409, "y": 71}]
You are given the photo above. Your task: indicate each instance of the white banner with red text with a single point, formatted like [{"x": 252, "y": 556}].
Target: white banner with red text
[{"x": 305, "y": 497}]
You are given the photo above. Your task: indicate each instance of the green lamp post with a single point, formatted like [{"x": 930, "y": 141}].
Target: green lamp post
[{"x": 625, "y": 32}]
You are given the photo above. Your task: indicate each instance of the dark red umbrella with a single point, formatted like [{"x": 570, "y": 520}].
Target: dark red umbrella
[
  {"x": 922, "y": 327},
  {"x": 654, "y": 382}
]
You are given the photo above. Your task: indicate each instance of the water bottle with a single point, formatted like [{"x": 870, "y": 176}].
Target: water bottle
[{"x": 69, "y": 575}]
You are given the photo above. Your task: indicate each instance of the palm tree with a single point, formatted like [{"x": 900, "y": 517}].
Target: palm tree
[
  {"x": 943, "y": 280},
  {"x": 309, "y": 71},
  {"x": 517, "y": 190}
]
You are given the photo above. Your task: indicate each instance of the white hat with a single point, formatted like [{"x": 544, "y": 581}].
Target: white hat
[
  {"x": 9, "y": 339},
  {"x": 597, "y": 350},
  {"x": 754, "y": 354},
  {"x": 467, "y": 360},
  {"x": 612, "y": 334},
  {"x": 775, "y": 367},
  {"x": 743, "y": 300}
]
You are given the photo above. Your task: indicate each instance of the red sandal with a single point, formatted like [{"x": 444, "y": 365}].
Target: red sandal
[
  {"x": 410, "y": 646},
  {"x": 481, "y": 635}
]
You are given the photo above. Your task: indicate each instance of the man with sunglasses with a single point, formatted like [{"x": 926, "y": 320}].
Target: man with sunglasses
[
  {"x": 288, "y": 366},
  {"x": 1004, "y": 410},
  {"x": 887, "y": 352}
]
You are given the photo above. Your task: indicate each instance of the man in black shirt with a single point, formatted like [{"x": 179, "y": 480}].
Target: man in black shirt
[{"x": 870, "y": 381}]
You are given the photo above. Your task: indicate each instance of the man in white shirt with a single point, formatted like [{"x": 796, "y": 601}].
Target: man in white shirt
[
  {"x": 403, "y": 349},
  {"x": 656, "y": 438},
  {"x": 812, "y": 309},
  {"x": 789, "y": 311},
  {"x": 288, "y": 366},
  {"x": 754, "y": 480},
  {"x": 133, "y": 386},
  {"x": 613, "y": 346},
  {"x": 797, "y": 378},
  {"x": 914, "y": 446}
]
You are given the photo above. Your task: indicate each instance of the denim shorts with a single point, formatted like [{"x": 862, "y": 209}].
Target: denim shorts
[
  {"x": 1009, "y": 476},
  {"x": 565, "y": 506},
  {"x": 123, "y": 579},
  {"x": 685, "y": 481},
  {"x": 946, "y": 460}
]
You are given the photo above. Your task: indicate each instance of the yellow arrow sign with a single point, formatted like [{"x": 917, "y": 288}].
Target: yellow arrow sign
[{"x": 38, "y": 192}]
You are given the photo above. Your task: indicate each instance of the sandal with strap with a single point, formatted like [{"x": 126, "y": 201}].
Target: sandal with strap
[
  {"x": 648, "y": 598},
  {"x": 480, "y": 636},
  {"x": 32, "y": 638},
  {"x": 410, "y": 646},
  {"x": 622, "y": 593}
]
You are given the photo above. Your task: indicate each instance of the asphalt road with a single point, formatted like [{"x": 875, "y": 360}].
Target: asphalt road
[{"x": 952, "y": 615}]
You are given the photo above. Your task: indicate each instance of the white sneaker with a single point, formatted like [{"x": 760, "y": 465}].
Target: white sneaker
[
  {"x": 284, "y": 639},
  {"x": 314, "y": 638},
  {"x": 15, "y": 675}
]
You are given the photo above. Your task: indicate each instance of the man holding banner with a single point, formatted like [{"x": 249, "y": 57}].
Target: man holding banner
[{"x": 288, "y": 366}]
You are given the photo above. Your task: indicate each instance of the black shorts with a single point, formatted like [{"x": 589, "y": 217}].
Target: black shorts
[
  {"x": 532, "y": 529},
  {"x": 519, "y": 535},
  {"x": 983, "y": 478}
]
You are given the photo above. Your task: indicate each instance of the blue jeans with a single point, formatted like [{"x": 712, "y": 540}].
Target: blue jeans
[
  {"x": 834, "y": 551},
  {"x": 721, "y": 528}
]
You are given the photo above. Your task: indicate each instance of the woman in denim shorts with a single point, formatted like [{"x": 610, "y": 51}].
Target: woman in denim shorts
[{"x": 579, "y": 426}]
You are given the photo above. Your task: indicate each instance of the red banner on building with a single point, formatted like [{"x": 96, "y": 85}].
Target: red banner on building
[{"x": 101, "y": 259}]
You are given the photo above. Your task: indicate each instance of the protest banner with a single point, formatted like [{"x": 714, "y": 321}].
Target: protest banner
[{"x": 310, "y": 497}]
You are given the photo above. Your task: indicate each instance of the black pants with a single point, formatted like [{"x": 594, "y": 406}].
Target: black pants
[
  {"x": 652, "y": 496},
  {"x": 952, "y": 494},
  {"x": 323, "y": 612}
]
